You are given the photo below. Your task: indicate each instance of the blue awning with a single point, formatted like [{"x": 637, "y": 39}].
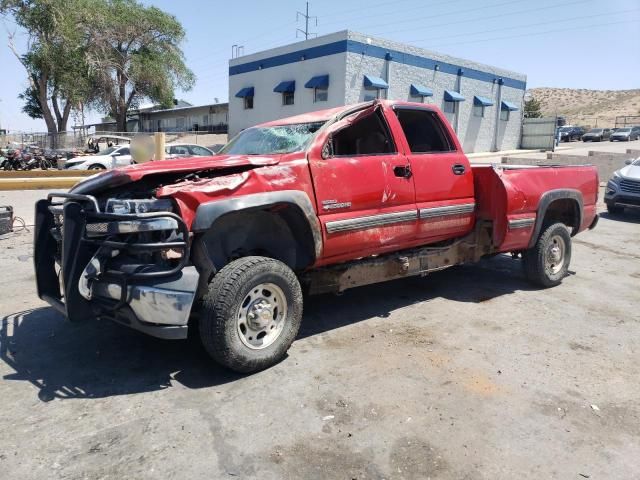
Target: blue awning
[
  {"x": 288, "y": 86},
  {"x": 245, "y": 92},
  {"x": 484, "y": 101},
  {"x": 321, "y": 81},
  {"x": 374, "y": 82},
  {"x": 451, "y": 96},
  {"x": 509, "y": 106},
  {"x": 420, "y": 91}
]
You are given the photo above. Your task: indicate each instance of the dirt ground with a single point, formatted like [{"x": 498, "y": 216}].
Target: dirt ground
[{"x": 469, "y": 373}]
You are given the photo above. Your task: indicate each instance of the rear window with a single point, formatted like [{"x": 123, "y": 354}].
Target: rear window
[{"x": 424, "y": 131}]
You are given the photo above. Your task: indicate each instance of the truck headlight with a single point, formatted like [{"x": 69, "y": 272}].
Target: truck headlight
[{"x": 124, "y": 206}]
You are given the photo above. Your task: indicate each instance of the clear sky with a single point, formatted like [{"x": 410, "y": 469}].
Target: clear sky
[{"x": 590, "y": 44}]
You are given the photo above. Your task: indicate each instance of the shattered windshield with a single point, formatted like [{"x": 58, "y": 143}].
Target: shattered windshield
[{"x": 270, "y": 140}]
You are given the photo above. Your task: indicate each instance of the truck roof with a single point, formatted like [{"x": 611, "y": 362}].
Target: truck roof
[{"x": 324, "y": 115}]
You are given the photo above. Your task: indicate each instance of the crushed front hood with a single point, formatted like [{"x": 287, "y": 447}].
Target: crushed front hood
[{"x": 133, "y": 173}]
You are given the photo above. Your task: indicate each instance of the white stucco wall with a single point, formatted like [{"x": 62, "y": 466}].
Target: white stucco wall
[{"x": 346, "y": 86}]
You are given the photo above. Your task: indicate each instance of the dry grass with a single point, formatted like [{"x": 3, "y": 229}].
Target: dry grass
[{"x": 582, "y": 106}]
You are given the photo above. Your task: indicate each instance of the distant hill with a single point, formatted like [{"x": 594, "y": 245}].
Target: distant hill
[{"x": 581, "y": 106}]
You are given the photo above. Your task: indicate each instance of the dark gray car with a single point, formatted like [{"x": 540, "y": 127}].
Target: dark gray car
[
  {"x": 596, "y": 135},
  {"x": 625, "y": 134},
  {"x": 623, "y": 189}
]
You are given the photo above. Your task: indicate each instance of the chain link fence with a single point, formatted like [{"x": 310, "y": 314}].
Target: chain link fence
[{"x": 79, "y": 141}]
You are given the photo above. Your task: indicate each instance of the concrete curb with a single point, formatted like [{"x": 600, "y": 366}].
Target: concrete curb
[
  {"x": 45, "y": 173},
  {"x": 38, "y": 183}
]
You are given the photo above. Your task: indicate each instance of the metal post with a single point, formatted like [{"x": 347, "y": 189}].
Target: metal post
[
  {"x": 494, "y": 147},
  {"x": 159, "y": 138}
]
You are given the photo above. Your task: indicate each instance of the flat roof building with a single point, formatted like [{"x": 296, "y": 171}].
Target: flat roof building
[{"x": 482, "y": 102}]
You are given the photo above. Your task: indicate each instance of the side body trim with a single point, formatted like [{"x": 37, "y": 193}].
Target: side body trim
[
  {"x": 521, "y": 223},
  {"x": 371, "y": 221},
  {"x": 447, "y": 210}
]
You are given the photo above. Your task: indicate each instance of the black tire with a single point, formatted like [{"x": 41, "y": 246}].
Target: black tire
[
  {"x": 613, "y": 209},
  {"x": 219, "y": 324},
  {"x": 535, "y": 259},
  {"x": 97, "y": 167}
]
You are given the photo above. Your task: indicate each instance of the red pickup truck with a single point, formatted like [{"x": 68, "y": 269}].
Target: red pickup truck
[{"x": 319, "y": 202}]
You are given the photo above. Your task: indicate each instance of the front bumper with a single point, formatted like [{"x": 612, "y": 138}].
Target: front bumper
[
  {"x": 84, "y": 268},
  {"x": 624, "y": 193}
]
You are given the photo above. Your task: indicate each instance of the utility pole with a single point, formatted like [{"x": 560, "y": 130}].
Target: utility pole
[{"x": 306, "y": 17}]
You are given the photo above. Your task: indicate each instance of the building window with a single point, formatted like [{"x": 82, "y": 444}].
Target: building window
[
  {"x": 287, "y": 98},
  {"x": 248, "y": 103},
  {"x": 372, "y": 95},
  {"x": 478, "y": 111},
  {"x": 450, "y": 107},
  {"x": 504, "y": 115},
  {"x": 180, "y": 122},
  {"x": 320, "y": 94},
  {"x": 205, "y": 120}
]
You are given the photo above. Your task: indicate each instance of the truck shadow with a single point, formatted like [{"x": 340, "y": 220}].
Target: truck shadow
[
  {"x": 477, "y": 283},
  {"x": 628, "y": 216},
  {"x": 98, "y": 359}
]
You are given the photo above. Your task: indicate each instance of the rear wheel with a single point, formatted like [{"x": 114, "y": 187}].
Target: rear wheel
[
  {"x": 547, "y": 262},
  {"x": 251, "y": 314}
]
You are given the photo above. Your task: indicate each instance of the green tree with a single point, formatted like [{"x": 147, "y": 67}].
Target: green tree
[
  {"x": 54, "y": 60},
  {"x": 532, "y": 109},
  {"x": 134, "y": 55}
]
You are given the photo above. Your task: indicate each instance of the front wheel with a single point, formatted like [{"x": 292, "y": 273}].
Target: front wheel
[
  {"x": 251, "y": 314},
  {"x": 97, "y": 166},
  {"x": 547, "y": 262}
]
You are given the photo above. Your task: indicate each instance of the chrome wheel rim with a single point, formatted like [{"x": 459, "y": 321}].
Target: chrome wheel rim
[
  {"x": 555, "y": 254},
  {"x": 261, "y": 316}
]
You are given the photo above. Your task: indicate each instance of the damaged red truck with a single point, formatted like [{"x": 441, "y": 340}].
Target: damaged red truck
[{"x": 320, "y": 202}]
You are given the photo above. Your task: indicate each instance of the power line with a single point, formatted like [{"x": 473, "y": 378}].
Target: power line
[
  {"x": 533, "y": 34},
  {"x": 515, "y": 27},
  {"x": 485, "y": 17}
]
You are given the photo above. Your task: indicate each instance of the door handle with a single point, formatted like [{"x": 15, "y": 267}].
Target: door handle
[
  {"x": 458, "y": 169},
  {"x": 403, "y": 171}
]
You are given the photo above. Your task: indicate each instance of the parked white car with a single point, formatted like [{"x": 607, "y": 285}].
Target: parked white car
[
  {"x": 112, "y": 157},
  {"x": 177, "y": 150}
]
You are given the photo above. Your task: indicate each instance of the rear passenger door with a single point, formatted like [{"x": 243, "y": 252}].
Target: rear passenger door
[{"x": 441, "y": 174}]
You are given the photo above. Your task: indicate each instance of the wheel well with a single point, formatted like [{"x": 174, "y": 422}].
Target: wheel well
[
  {"x": 563, "y": 210},
  {"x": 279, "y": 231}
]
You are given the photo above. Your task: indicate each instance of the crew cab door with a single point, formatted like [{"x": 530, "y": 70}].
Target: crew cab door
[
  {"x": 363, "y": 186},
  {"x": 441, "y": 173}
]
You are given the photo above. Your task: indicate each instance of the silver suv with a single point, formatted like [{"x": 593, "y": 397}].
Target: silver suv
[{"x": 623, "y": 189}]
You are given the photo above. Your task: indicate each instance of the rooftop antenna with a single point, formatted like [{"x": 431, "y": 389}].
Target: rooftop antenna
[{"x": 306, "y": 17}]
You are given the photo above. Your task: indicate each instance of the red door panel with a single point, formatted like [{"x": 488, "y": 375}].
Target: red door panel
[{"x": 365, "y": 203}]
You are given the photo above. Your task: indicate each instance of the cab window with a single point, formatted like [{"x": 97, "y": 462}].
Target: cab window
[
  {"x": 368, "y": 136},
  {"x": 424, "y": 131}
]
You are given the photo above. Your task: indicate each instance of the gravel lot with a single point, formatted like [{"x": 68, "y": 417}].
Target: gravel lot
[{"x": 466, "y": 374}]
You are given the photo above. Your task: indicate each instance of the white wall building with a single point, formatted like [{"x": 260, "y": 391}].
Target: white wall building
[{"x": 348, "y": 67}]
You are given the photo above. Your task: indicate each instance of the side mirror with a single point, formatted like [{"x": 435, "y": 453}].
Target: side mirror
[
  {"x": 628, "y": 162},
  {"x": 327, "y": 149}
]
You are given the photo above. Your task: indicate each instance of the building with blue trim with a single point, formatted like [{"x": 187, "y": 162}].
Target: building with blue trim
[{"x": 482, "y": 102}]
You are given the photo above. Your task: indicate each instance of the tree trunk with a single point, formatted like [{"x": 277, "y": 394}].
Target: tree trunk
[{"x": 46, "y": 111}]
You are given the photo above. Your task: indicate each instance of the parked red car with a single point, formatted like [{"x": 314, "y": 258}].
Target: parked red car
[{"x": 320, "y": 202}]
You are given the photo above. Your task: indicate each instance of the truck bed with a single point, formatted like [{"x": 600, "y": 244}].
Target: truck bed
[{"x": 513, "y": 196}]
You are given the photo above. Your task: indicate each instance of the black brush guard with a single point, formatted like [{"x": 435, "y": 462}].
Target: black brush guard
[{"x": 64, "y": 241}]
